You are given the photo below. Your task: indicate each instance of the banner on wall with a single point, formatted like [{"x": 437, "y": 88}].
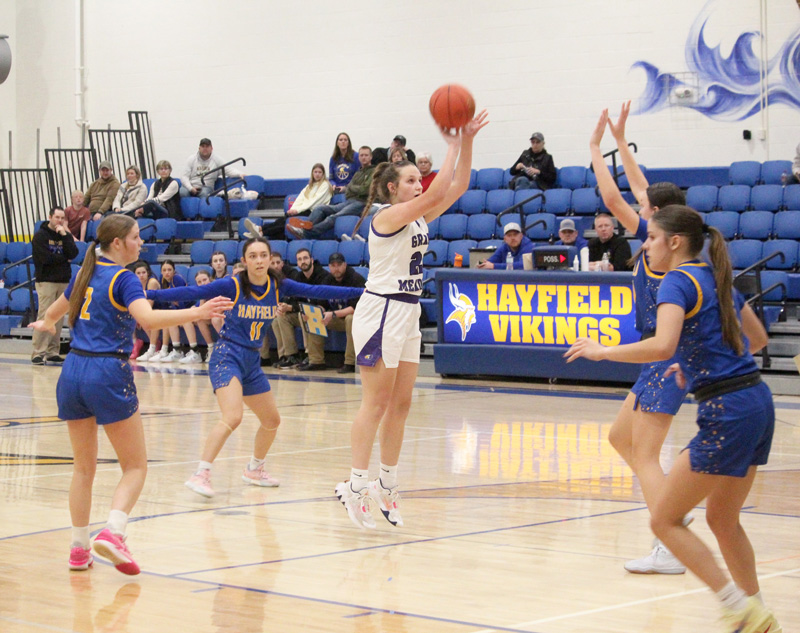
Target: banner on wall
[{"x": 538, "y": 314}]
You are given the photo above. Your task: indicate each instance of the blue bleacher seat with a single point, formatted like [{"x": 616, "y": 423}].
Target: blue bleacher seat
[
  {"x": 240, "y": 208},
  {"x": 19, "y": 300},
  {"x": 323, "y": 249},
  {"x": 16, "y": 251},
  {"x": 241, "y": 229},
  {"x": 499, "y": 200},
  {"x": 183, "y": 271},
  {"x": 190, "y": 207},
  {"x": 635, "y": 245},
  {"x": 702, "y": 197},
  {"x": 766, "y": 197},
  {"x": 787, "y": 247},
  {"x": 726, "y": 222},
  {"x": 473, "y": 179},
  {"x": 229, "y": 247},
  {"x": 473, "y": 201},
  {"x": 489, "y": 178},
  {"x": 772, "y": 171},
  {"x": 771, "y": 277},
  {"x": 430, "y": 287},
  {"x": 786, "y": 225},
  {"x": 212, "y": 207},
  {"x": 744, "y": 253},
  {"x": 294, "y": 246},
  {"x": 558, "y": 201},
  {"x": 453, "y": 227},
  {"x": 3, "y": 248},
  {"x": 344, "y": 225},
  {"x": 436, "y": 254},
  {"x": 433, "y": 229},
  {"x": 734, "y": 198},
  {"x": 279, "y": 246},
  {"x": 462, "y": 247},
  {"x": 791, "y": 197},
  {"x": 571, "y": 177},
  {"x": 189, "y": 230},
  {"x": 254, "y": 183},
  {"x": 745, "y": 172},
  {"x": 585, "y": 202},
  {"x": 534, "y": 206},
  {"x": 149, "y": 253},
  {"x": 201, "y": 251},
  {"x": 481, "y": 227},
  {"x": 623, "y": 179},
  {"x": 361, "y": 270},
  {"x": 147, "y": 228},
  {"x": 363, "y": 230},
  {"x": 507, "y": 178},
  {"x": 3, "y": 299},
  {"x": 193, "y": 270},
  {"x": 166, "y": 229},
  {"x": 353, "y": 251},
  {"x": 81, "y": 246},
  {"x": 755, "y": 225},
  {"x": 541, "y": 231}
]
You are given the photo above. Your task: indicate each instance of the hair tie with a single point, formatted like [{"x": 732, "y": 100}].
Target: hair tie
[
  {"x": 705, "y": 229},
  {"x": 97, "y": 240}
]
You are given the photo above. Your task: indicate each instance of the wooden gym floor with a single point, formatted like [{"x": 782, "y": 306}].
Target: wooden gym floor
[{"x": 518, "y": 517}]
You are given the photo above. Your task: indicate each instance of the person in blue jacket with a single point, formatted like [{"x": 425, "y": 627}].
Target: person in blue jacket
[
  {"x": 514, "y": 242},
  {"x": 712, "y": 332},
  {"x": 96, "y": 387},
  {"x": 235, "y": 364},
  {"x": 343, "y": 164}
]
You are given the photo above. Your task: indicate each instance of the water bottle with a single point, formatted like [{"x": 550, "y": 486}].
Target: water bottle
[
  {"x": 784, "y": 179},
  {"x": 575, "y": 264},
  {"x": 509, "y": 261},
  {"x": 2, "y": 283},
  {"x": 605, "y": 264}
]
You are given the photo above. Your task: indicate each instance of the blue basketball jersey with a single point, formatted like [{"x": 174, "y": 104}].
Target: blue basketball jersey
[
  {"x": 702, "y": 354},
  {"x": 104, "y": 324},
  {"x": 645, "y": 287}
]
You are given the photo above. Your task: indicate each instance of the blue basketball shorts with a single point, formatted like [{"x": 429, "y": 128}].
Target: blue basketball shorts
[
  {"x": 229, "y": 361},
  {"x": 656, "y": 394},
  {"x": 99, "y": 387}
]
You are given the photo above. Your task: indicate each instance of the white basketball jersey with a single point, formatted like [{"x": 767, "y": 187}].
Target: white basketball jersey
[{"x": 395, "y": 260}]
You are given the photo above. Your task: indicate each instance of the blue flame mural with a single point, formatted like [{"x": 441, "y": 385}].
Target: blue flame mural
[{"x": 727, "y": 88}]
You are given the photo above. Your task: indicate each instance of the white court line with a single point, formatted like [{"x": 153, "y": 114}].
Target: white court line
[
  {"x": 47, "y": 627},
  {"x": 623, "y": 605}
]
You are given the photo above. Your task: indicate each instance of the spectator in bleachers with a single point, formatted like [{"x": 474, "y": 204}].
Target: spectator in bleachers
[
  {"x": 289, "y": 315},
  {"x": 201, "y": 278},
  {"x": 382, "y": 154},
  {"x": 101, "y": 193},
  {"x": 339, "y": 315},
  {"x": 131, "y": 194},
  {"x": 286, "y": 271},
  {"x": 617, "y": 247},
  {"x": 569, "y": 235},
  {"x": 514, "y": 242},
  {"x": 794, "y": 177},
  {"x": 425, "y": 166},
  {"x": 344, "y": 164},
  {"x": 534, "y": 169},
  {"x": 149, "y": 282},
  {"x": 78, "y": 216},
  {"x": 53, "y": 248},
  {"x": 398, "y": 155},
  {"x": 237, "y": 268},
  {"x": 219, "y": 265},
  {"x": 170, "y": 337},
  {"x": 164, "y": 199},
  {"x": 324, "y": 216},
  {"x": 198, "y": 165}
]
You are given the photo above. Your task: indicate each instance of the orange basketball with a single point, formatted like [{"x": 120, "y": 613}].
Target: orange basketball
[{"x": 452, "y": 106}]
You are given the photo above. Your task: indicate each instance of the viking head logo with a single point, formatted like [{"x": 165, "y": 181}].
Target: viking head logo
[{"x": 463, "y": 311}]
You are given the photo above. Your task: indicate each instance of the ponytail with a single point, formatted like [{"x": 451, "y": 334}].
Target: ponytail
[
  {"x": 723, "y": 275},
  {"x": 378, "y": 190}
]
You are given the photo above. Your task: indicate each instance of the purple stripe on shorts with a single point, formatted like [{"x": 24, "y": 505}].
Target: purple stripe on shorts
[
  {"x": 373, "y": 349},
  {"x": 398, "y": 296}
]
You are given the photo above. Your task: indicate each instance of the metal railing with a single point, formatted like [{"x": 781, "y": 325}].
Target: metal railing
[
  {"x": 613, "y": 153},
  {"x": 139, "y": 121},
  {"x": 121, "y": 148},
  {"x": 224, "y": 190},
  {"x": 518, "y": 208},
  {"x": 72, "y": 169},
  {"x": 30, "y": 313},
  {"x": 28, "y": 196}
]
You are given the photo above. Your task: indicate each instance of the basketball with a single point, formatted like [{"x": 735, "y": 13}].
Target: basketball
[{"x": 452, "y": 106}]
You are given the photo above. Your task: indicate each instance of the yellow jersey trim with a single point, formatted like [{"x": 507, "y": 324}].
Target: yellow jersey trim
[
  {"x": 111, "y": 290},
  {"x": 238, "y": 289},
  {"x": 699, "y": 303},
  {"x": 649, "y": 272},
  {"x": 266, "y": 292}
]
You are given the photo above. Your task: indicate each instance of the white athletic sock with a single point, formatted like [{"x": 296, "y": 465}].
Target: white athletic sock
[
  {"x": 192, "y": 346},
  {"x": 388, "y": 476},
  {"x": 732, "y": 597},
  {"x": 80, "y": 537},
  {"x": 203, "y": 466},
  {"x": 359, "y": 479},
  {"x": 256, "y": 463},
  {"x": 758, "y": 597},
  {"x": 152, "y": 348},
  {"x": 117, "y": 522}
]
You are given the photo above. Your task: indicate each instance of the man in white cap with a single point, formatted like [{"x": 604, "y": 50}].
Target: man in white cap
[{"x": 515, "y": 243}]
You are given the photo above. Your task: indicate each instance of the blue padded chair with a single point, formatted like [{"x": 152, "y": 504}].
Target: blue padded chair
[
  {"x": 791, "y": 197},
  {"x": 362, "y": 270},
  {"x": 254, "y": 183},
  {"x": 19, "y": 300},
  {"x": 786, "y": 225},
  {"x": 571, "y": 177},
  {"x": 211, "y": 208},
  {"x": 190, "y": 208},
  {"x": 294, "y": 246},
  {"x": 542, "y": 232},
  {"x": 507, "y": 178},
  {"x": 787, "y": 247},
  {"x": 772, "y": 171},
  {"x": 734, "y": 198},
  {"x": 3, "y": 249},
  {"x": 323, "y": 249},
  {"x": 473, "y": 178},
  {"x": 183, "y": 271},
  {"x": 472, "y": 202},
  {"x": 433, "y": 229},
  {"x": 429, "y": 273},
  {"x": 279, "y": 246},
  {"x": 726, "y": 222},
  {"x": 166, "y": 228},
  {"x": 481, "y": 227},
  {"x": 16, "y": 251},
  {"x": 242, "y": 229},
  {"x": 229, "y": 247},
  {"x": 436, "y": 254},
  {"x": 499, "y": 200},
  {"x": 240, "y": 208},
  {"x": 623, "y": 179},
  {"x": 344, "y": 225},
  {"x": 766, "y": 197},
  {"x": 3, "y": 299},
  {"x": 770, "y": 277},
  {"x": 745, "y": 172},
  {"x": 702, "y": 197},
  {"x": 534, "y": 206},
  {"x": 193, "y": 270},
  {"x": 585, "y": 202},
  {"x": 453, "y": 227},
  {"x": 149, "y": 254},
  {"x": 201, "y": 251},
  {"x": 462, "y": 247},
  {"x": 635, "y": 245},
  {"x": 489, "y": 178},
  {"x": 363, "y": 230},
  {"x": 148, "y": 233},
  {"x": 558, "y": 201},
  {"x": 744, "y": 253},
  {"x": 288, "y": 201},
  {"x": 81, "y": 246},
  {"x": 755, "y": 225},
  {"x": 353, "y": 252}
]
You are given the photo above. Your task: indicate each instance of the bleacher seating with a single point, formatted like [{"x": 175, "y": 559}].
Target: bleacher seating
[
  {"x": 726, "y": 222},
  {"x": 353, "y": 252},
  {"x": 499, "y": 200},
  {"x": 766, "y": 197},
  {"x": 558, "y": 201},
  {"x": 734, "y": 198},
  {"x": 472, "y": 202},
  {"x": 481, "y": 227},
  {"x": 571, "y": 177},
  {"x": 541, "y": 231},
  {"x": 755, "y": 225},
  {"x": 786, "y": 225},
  {"x": 745, "y": 172},
  {"x": 787, "y": 247},
  {"x": 702, "y": 197},
  {"x": 489, "y": 178},
  {"x": 534, "y": 206},
  {"x": 201, "y": 251}
]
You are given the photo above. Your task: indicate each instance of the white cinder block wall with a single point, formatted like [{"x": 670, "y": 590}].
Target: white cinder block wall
[{"x": 275, "y": 81}]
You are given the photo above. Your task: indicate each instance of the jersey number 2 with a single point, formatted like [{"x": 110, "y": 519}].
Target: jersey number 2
[
  {"x": 416, "y": 264},
  {"x": 255, "y": 330},
  {"x": 85, "y": 307}
]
